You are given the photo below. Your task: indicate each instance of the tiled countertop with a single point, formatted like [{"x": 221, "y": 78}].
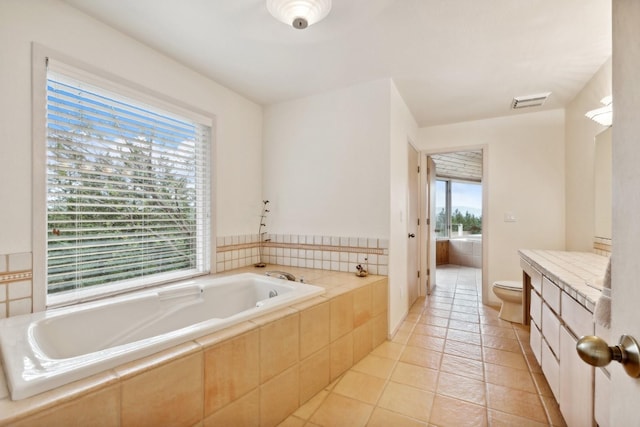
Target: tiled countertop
[{"x": 578, "y": 273}]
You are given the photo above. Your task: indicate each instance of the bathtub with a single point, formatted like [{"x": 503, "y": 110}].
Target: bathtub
[{"x": 41, "y": 351}]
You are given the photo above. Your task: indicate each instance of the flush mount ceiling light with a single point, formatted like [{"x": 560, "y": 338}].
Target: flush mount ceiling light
[
  {"x": 299, "y": 13},
  {"x": 603, "y": 115}
]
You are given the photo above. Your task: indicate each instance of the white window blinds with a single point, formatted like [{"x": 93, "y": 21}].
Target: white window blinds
[{"x": 128, "y": 195}]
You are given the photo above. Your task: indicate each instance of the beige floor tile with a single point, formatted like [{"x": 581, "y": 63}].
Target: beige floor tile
[
  {"x": 465, "y": 317},
  {"x": 291, "y": 421},
  {"x": 542, "y": 384},
  {"x": 509, "y": 377},
  {"x": 498, "y": 331},
  {"x": 306, "y": 410},
  {"x": 401, "y": 337},
  {"x": 500, "y": 343},
  {"x": 415, "y": 376},
  {"x": 462, "y": 366},
  {"x": 388, "y": 349},
  {"x": 462, "y": 349},
  {"x": 425, "y": 341},
  {"x": 464, "y": 326},
  {"x": 504, "y": 358},
  {"x": 407, "y": 400},
  {"x": 457, "y": 413},
  {"x": 384, "y": 418},
  {"x": 436, "y": 312},
  {"x": 434, "y": 320},
  {"x": 431, "y": 330},
  {"x": 553, "y": 411},
  {"x": 502, "y": 419},
  {"x": 462, "y": 388},
  {"x": 421, "y": 357},
  {"x": 374, "y": 365},
  {"x": 515, "y": 402},
  {"x": 463, "y": 336},
  {"x": 357, "y": 385},
  {"x": 341, "y": 411}
]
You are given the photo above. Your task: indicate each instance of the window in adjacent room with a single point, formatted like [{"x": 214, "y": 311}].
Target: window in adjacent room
[{"x": 127, "y": 187}]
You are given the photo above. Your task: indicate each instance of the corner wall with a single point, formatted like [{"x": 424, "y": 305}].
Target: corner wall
[
  {"x": 580, "y": 133},
  {"x": 525, "y": 177}
]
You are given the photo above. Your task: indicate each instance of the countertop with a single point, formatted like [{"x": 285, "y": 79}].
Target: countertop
[{"x": 578, "y": 273}]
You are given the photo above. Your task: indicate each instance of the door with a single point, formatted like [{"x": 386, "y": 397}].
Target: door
[
  {"x": 413, "y": 209},
  {"x": 431, "y": 225},
  {"x": 625, "y": 268}
]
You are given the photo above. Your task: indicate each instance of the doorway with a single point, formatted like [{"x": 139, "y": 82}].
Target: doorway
[{"x": 458, "y": 235}]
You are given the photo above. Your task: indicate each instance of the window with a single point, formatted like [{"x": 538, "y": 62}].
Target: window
[
  {"x": 127, "y": 187},
  {"x": 458, "y": 208}
]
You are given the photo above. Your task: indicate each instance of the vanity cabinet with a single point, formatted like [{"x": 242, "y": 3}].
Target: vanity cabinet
[{"x": 557, "y": 320}]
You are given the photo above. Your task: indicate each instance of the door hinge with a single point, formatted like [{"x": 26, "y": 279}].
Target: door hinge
[
  {"x": 418, "y": 169},
  {"x": 428, "y": 272},
  {"x": 418, "y": 274},
  {"x": 418, "y": 222},
  {"x": 428, "y": 221}
]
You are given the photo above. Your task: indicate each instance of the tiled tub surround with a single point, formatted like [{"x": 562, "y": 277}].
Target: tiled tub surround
[
  {"x": 255, "y": 373},
  {"x": 16, "y": 288},
  {"x": 602, "y": 246},
  {"x": 465, "y": 252},
  {"x": 318, "y": 252}
]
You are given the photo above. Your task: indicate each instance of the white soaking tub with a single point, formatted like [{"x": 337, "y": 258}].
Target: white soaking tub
[{"x": 41, "y": 351}]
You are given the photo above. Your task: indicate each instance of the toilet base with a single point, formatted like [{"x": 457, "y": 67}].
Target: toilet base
[{"x": 511, "y": 312}]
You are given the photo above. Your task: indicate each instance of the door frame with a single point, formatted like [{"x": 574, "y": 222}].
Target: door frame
[{"x": 485, "y": 211}]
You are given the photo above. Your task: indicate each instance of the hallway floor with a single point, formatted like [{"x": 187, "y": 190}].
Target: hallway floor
[{"x": 451, "y": 363}]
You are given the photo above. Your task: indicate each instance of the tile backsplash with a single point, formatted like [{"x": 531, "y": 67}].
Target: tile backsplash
[
  {"x": 320, "y": 252},
  {"x": 602, "y": 246},
  {"x": 16, "y": 284}
]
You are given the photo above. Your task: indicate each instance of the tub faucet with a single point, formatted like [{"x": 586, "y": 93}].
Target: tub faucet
[{"x": 281, "y": 275}]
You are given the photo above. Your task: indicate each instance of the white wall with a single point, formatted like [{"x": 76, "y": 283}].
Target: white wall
[
  {"x": 580, "y": 134},
  {"x": 326, "y": 163},
  {"x": 525, "y": 176},
  {"x": 64, "y": 29},
  {"x": 403, "y": 129}
]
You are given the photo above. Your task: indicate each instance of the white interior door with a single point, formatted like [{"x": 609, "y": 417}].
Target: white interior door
[
  {"x": 625, "y": 267},
  {"x": 413, "y": 253},
  {"x": 431, "y": 225}
]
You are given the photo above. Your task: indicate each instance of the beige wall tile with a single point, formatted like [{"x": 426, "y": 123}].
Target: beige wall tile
[
  {"x": 244, "y": 412},
  {"x": 380, "y": 327},
  {"x": 167, "y": 395},
  {"x": 380, "y": 296},
  {"x": 362, "y": 341},
  {"x": 362, "y": 305},
  {"x": 341, "y": 315},
  {"x": 279, "y": 397},
  {"x": 20, "y": 289},
  {"x": 341, "y": 355},
  {"x": 314, "y": 329},
  {"x": 101, "y": 408},
  {"x": 279, "y": 346},
  {"x": 314, "y": 374},
  {"x": 231, "y": 370}
]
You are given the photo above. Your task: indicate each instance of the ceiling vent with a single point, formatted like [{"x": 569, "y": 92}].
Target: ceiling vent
[{"x": 527, "y": 101}]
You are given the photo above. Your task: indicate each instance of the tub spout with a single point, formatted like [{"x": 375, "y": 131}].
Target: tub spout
[{"x": 281, "y": 275}]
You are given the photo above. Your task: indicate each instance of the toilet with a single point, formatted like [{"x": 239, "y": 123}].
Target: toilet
[{"x": 510, "y": 293}]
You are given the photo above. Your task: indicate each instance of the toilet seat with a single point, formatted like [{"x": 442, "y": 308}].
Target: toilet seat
[{"x": 509, "y": 285}]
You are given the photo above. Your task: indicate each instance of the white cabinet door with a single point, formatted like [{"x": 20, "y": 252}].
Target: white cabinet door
[{"x": 576, "y": 384}]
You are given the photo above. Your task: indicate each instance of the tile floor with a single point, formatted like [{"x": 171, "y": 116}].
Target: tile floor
[{"x": 451, "y": 363}]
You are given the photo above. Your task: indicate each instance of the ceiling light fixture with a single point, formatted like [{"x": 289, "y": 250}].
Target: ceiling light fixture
[
  {"x": 299, "y": 13},
  {"x": 603, "y": 115}
]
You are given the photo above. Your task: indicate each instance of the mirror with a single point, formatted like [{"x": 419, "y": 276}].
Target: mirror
[{"x": 603, "y": 185}]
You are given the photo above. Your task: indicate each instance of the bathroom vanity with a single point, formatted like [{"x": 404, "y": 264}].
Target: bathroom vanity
[{"x": 560, "y": 291}]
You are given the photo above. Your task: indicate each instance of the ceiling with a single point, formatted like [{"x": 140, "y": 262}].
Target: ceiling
[
  {"x": 463, "y": 165},
  {"x": 451, "y": 61}
]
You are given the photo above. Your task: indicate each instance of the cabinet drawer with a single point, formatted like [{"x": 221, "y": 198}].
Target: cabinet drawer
[
  {"x": 535, "y": 275},
  {"x": 551, "y": 370},
  {"x": 535, "y": 310},
  {"x": 535, "y": 340},
  {"x": 551, "y": 328},
  {"x": 551, "y": 294},
  {"x": 577, "y": 318}
]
